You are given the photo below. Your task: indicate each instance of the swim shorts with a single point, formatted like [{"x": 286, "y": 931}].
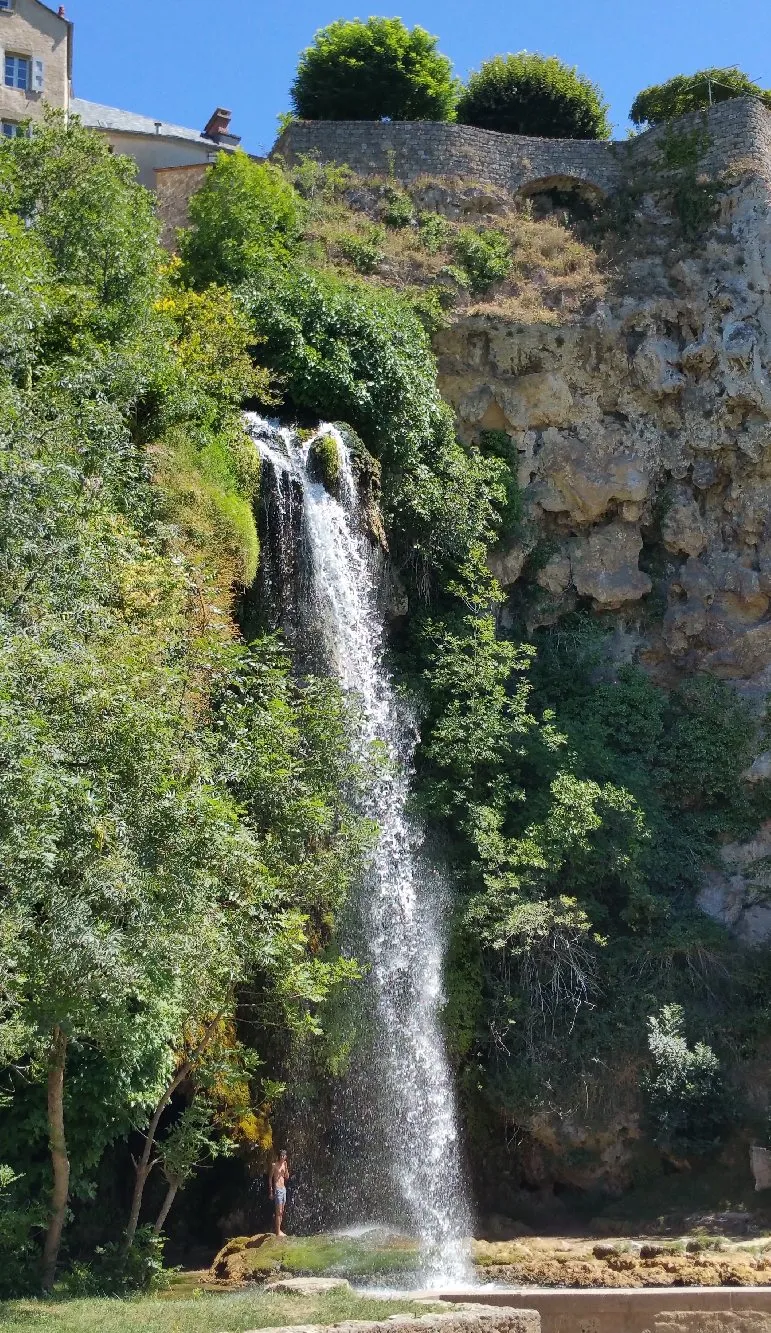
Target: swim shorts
[{"x": 279, "y": 1194}]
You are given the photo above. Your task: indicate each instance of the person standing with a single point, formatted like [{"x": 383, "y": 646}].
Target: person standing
[{"x": 279, "y": 1175}]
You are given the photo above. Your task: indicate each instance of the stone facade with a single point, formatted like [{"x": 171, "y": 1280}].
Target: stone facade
[
  {"x": 174, "y": 188},
  {"x": 43, "y": 39},
  {"x": 739, "y": 132}
]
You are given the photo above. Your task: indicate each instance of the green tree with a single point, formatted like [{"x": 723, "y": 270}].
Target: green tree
[
  {"x": 693, "y": 92},
  {"x": 378, "y": 70},
  {"x": 244, "y": 214},
  {"x": 534, "y": 94},
  {"x": 686, "y": 1096}
]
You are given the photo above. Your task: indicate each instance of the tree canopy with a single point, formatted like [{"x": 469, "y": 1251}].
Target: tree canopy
[
  {"x": 693, "y": 92},
  {"x": 378, "y": 70},
  {"x": 533, "y": 94}
]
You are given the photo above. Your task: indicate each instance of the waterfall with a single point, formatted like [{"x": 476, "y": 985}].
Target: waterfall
[{"x": 409, "y": 1160}]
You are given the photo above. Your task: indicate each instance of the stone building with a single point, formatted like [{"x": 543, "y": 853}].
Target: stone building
[
  {"x": 36, "y": 46},
  {"x": 156, "y": 145},
  {"x": 37, "y": 51}
]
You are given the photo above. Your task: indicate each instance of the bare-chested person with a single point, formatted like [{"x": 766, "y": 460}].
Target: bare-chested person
[{"x": 279, "y": 1175}]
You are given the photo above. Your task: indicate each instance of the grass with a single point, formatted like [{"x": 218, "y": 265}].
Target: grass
[
  {"x": 554, "y": 277},
  {"x": 201, "y": 1312}
]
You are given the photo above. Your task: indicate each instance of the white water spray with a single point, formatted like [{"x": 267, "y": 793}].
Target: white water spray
[{"x": 403, "y": 902}]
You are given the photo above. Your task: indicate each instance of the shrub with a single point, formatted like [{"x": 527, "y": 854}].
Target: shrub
[
  {"x": 364, "y": 252},
  {"x": 244, "y": 212},
  {"x": 398, "y": 211},
  {"x": 434, "y": 231},
  {"x": 373, "y": 71},
  {"x": 693, "y": 92},
  {"x": 485, "y": 256},
  {"x": 534, "y": 94},
  {"x": 685, "y": 1094}
]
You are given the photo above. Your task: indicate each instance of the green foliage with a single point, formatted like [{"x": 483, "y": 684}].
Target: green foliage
[
  {"x": 534, "y": 94},
  {"x": 686, "y": 1097},
  {"x": 147, "y": 885},
  {"x": 485, "y": 257},
  {"x": 359, "y": 354},
  {"x": 435, "y": 231},
  {"x": 398, "y": 211},
  {"x": 373, "y": 71},
  {"x": 112, "y": 1274},
  {"x": 20, "y": 1221},
  {"x": 693, "y": 92},
  {"x": 364, "y": 252},
  {"x": 245, "y": 213},
  {"x": 319, "y": 181},
  {"x": 324, "y": 459}
]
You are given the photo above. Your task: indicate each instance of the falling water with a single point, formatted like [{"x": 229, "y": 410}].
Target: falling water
[{"x": 412, "y": 1154}]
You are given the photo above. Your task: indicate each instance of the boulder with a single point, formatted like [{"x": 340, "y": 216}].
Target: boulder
[
  {"x": 682, "y": 528},
  {"x": 604, "y": 566},
  {"x": 582, "y": 481}
]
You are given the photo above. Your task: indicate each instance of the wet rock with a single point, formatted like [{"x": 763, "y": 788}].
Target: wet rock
[{"x": 308, "y": 1286}]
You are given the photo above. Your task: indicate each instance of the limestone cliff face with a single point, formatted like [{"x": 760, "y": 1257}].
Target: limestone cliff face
[{"x": 643, "y": 442}]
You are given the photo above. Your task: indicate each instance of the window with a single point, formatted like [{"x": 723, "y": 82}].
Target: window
[
  {"x": 17, "y": 72},
  {"x": 6, "y": 5},
  {"x": 11, "y": 128}
]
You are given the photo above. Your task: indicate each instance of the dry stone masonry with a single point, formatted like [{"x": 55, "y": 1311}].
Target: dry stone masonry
[{"x": 739, "y": 132}]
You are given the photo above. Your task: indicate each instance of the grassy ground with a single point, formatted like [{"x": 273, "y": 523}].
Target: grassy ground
[{"x": 195, "y": 1312}]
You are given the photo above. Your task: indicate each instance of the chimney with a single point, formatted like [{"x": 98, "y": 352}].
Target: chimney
[
  {"x": 219, "y": 123},
  {"x": 62, "y": 14}
]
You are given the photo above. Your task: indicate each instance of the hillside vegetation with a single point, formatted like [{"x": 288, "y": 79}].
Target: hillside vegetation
[{"x": 177, "y": 815}]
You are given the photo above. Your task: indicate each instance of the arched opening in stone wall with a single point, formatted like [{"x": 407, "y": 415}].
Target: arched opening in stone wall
[{"x": 579, "y": 199}]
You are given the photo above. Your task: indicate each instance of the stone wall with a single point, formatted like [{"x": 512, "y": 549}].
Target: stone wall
[
  {"x": 174, "y": 188},
  {"x": 739, "y": 133}
]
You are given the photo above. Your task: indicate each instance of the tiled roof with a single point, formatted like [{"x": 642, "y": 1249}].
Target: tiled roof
[{"x": 99, "y": 117}]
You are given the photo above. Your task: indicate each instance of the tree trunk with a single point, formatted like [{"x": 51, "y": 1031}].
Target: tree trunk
[
  {"x": 144, "y": 1166},
  {"x": 60, "y": 1162},
  {"x": 171, "y": 1195}
]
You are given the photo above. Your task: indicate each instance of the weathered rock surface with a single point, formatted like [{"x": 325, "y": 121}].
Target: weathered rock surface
[
  {"x": 737, "y": 892},
  {"x": 308, "y": 1286},
  {"x": 503, "y": 1320},
  {"x": 643, "y": 440}
]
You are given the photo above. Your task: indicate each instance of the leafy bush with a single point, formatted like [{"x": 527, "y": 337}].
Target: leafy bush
[
  {"x": 244, "y": 213},
  {"x": 693, "y": 92},
  {"x": 360, "y": 354},
  {"x": 20, "y": 1223},
  {"x": 373, "y": 71},
  {"x": 534, "y": 94},
  {"x": 365, "y": 252},
  {"x": 398, "y": 211},
  {"x": 111, "y": 1273},
  {"x": 485, "y": 257},
  {"x": 435, "y": 231},
  {"x": 686, "y": 1097}
]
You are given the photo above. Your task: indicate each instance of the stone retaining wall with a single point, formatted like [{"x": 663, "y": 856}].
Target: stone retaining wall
[
  {"x": 636, "y": 1310},
  {"x": 739, "y": 133},
  {"x": 458, "y": 1321}
]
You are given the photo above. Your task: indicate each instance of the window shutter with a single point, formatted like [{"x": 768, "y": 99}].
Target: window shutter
[{"x": 38, "y": 75}]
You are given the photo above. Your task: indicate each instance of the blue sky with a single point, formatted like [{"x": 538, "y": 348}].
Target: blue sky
[{"x": 177, "y": 59}]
